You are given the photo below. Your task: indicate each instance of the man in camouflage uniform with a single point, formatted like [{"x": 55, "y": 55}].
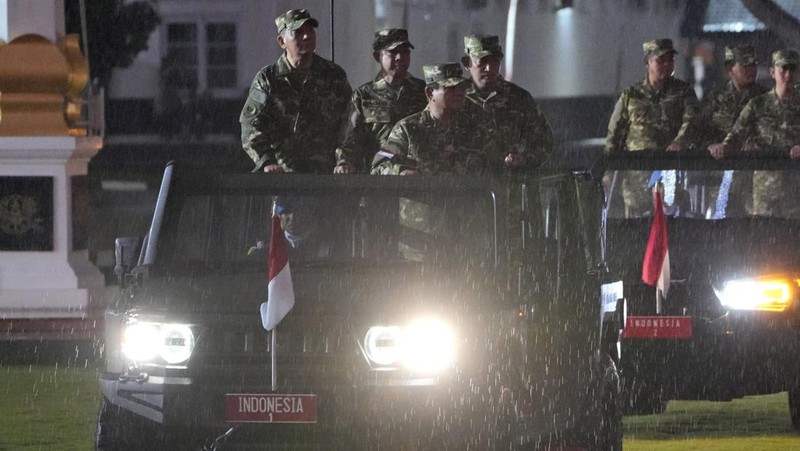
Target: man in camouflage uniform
[
  {"x": 293, "y": 114},
  {"x": 518, "y": 133},
  {"x": 436, "y": 140},
  {"x": 721, "y": 108},
  {"x": 771, "y": 122},
  {"x": 655, "y": 114},
  {"x": 376, "y": 106}
]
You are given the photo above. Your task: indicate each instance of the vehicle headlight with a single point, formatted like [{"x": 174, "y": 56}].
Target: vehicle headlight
[
  {"x": 425, "y": 346},
  {"x": 765, "y": 294},
  {"x": 149, "y": 342}
]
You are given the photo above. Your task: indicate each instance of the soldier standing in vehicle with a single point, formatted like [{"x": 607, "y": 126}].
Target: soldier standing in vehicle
[
  {"x": 770, "y": 123},
  {"x": 772, "y": 120},
  {"x": 437, "y": 140},
  {"x": 293, "y": 114},
  {"x": 518, "y": 132},
  {"x": 719, "y": 111},
  {"x": 377, "y": 105},
  {"x": 658, "y": 113},
  {"x": 721, "y": 108}
]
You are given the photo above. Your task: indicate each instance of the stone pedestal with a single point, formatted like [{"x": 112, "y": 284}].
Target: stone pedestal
[{"x": 42, "y": 273}]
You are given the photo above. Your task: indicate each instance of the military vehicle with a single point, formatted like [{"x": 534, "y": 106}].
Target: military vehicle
[
  {"x": 435, "y": 312},
  {"x": 728, "y": 326}
]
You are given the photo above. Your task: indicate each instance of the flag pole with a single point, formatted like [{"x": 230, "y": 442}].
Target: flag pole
[
  {"x": 273, "y": 339},
  {"x": 273, "y": 344},
  {"x": 659, "y": 301}
]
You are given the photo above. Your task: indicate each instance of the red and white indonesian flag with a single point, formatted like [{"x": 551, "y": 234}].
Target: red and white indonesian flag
[
  {"x": 280, "y": 292},
  {"x": 655, "y": 268}
]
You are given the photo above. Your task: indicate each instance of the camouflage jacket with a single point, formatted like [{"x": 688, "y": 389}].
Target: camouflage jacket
[
  {"x": 720, "y": 108},
  {"x": 416, "y": 142},
  {"x": 769, "y": 122},
  {"x": 374, "y": 109},
  {"x": 293, "y": 118},
  {"x": 648, "y": 118},
  {"x": 511, "y": 121}
]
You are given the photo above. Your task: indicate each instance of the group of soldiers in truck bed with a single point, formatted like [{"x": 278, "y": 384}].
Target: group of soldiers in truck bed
[{"x": 302, "y": 116}]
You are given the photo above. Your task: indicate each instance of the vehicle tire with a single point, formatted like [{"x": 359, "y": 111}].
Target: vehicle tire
[
  {"x": 600, "y": 429},
  {"x": 794, "y": 407}
]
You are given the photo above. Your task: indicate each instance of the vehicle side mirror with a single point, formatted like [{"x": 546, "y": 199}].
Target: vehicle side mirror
[{"x": 126, "y": 255}]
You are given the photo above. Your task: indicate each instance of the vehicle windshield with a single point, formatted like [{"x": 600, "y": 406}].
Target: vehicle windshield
[
  {"x": 333, "y": 227},
  {"x": 704, "y": 194}
]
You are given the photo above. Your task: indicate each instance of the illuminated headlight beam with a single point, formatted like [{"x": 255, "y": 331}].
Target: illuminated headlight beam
[
  {"x": 423, "y": 346},
  {"x": 771, "y": 295},
  {"x": 145, "y": 342}
]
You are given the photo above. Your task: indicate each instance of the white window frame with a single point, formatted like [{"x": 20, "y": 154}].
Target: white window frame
[{"x": 201, "y": 22}]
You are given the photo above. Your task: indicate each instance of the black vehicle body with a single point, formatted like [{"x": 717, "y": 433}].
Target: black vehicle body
[
  {"x": 735, "y": 349},
  {"x": 535, "y": 341}
]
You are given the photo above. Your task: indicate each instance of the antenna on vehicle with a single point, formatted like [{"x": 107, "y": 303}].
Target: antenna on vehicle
[{"x": 333, "y": 58}]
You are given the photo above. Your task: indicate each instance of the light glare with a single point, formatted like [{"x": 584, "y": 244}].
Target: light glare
[
  {"x": 425, "y": 346},
  {"x": 766, "y": 295},
  {"x": 140, "y": 342},
  {"x": 144, "y": 342}
]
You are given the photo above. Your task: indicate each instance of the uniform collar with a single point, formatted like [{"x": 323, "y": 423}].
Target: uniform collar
[
  {"x": 283, "y": 68},
  {"x": 426, "y": 118},
  {"x": 473, "y": 91},
  {"x": 381, "y": 83},
  {"x": 752, "y": 88},
  {"x": 647, "y": 86}
]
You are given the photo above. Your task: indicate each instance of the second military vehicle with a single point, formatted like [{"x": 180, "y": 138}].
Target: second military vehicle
[{"x": 729, "y": 324}]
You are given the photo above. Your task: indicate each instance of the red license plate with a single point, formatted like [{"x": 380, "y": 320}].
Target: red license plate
[
  {"x": 658, "y": 327},
  {"x": 270, "y": 408}
]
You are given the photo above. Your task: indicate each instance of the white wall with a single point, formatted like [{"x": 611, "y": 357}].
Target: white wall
[
  {"x": 594, "y": 49},
  {"x": 42, "y": 17}
]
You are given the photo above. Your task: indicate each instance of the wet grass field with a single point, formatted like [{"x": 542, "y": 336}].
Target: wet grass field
[
  {"x": 53, "y": 407},
  {"x": 752, "y": 423},
  {"x": 47, "y": 407}
]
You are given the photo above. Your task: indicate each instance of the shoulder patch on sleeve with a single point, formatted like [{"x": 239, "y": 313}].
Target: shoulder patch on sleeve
[{"x": 258, "y": 96}]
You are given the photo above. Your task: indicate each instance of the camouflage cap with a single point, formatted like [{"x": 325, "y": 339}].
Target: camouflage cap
[
  {"x": 787, "y": 57},
  {"x": 658, "y": 47},
  {"x": 742, "y": 54},
  {"x": 294, "y": 19},
  {"x": 447, "y": 74},
  {"x": 480, "y": 45},
  {"x": 390, "y": 39}
]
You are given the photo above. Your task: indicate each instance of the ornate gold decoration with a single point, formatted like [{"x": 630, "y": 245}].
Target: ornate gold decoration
[
  {"x": 40, "y": 83},
  {"x": 19, "y": 214}
]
